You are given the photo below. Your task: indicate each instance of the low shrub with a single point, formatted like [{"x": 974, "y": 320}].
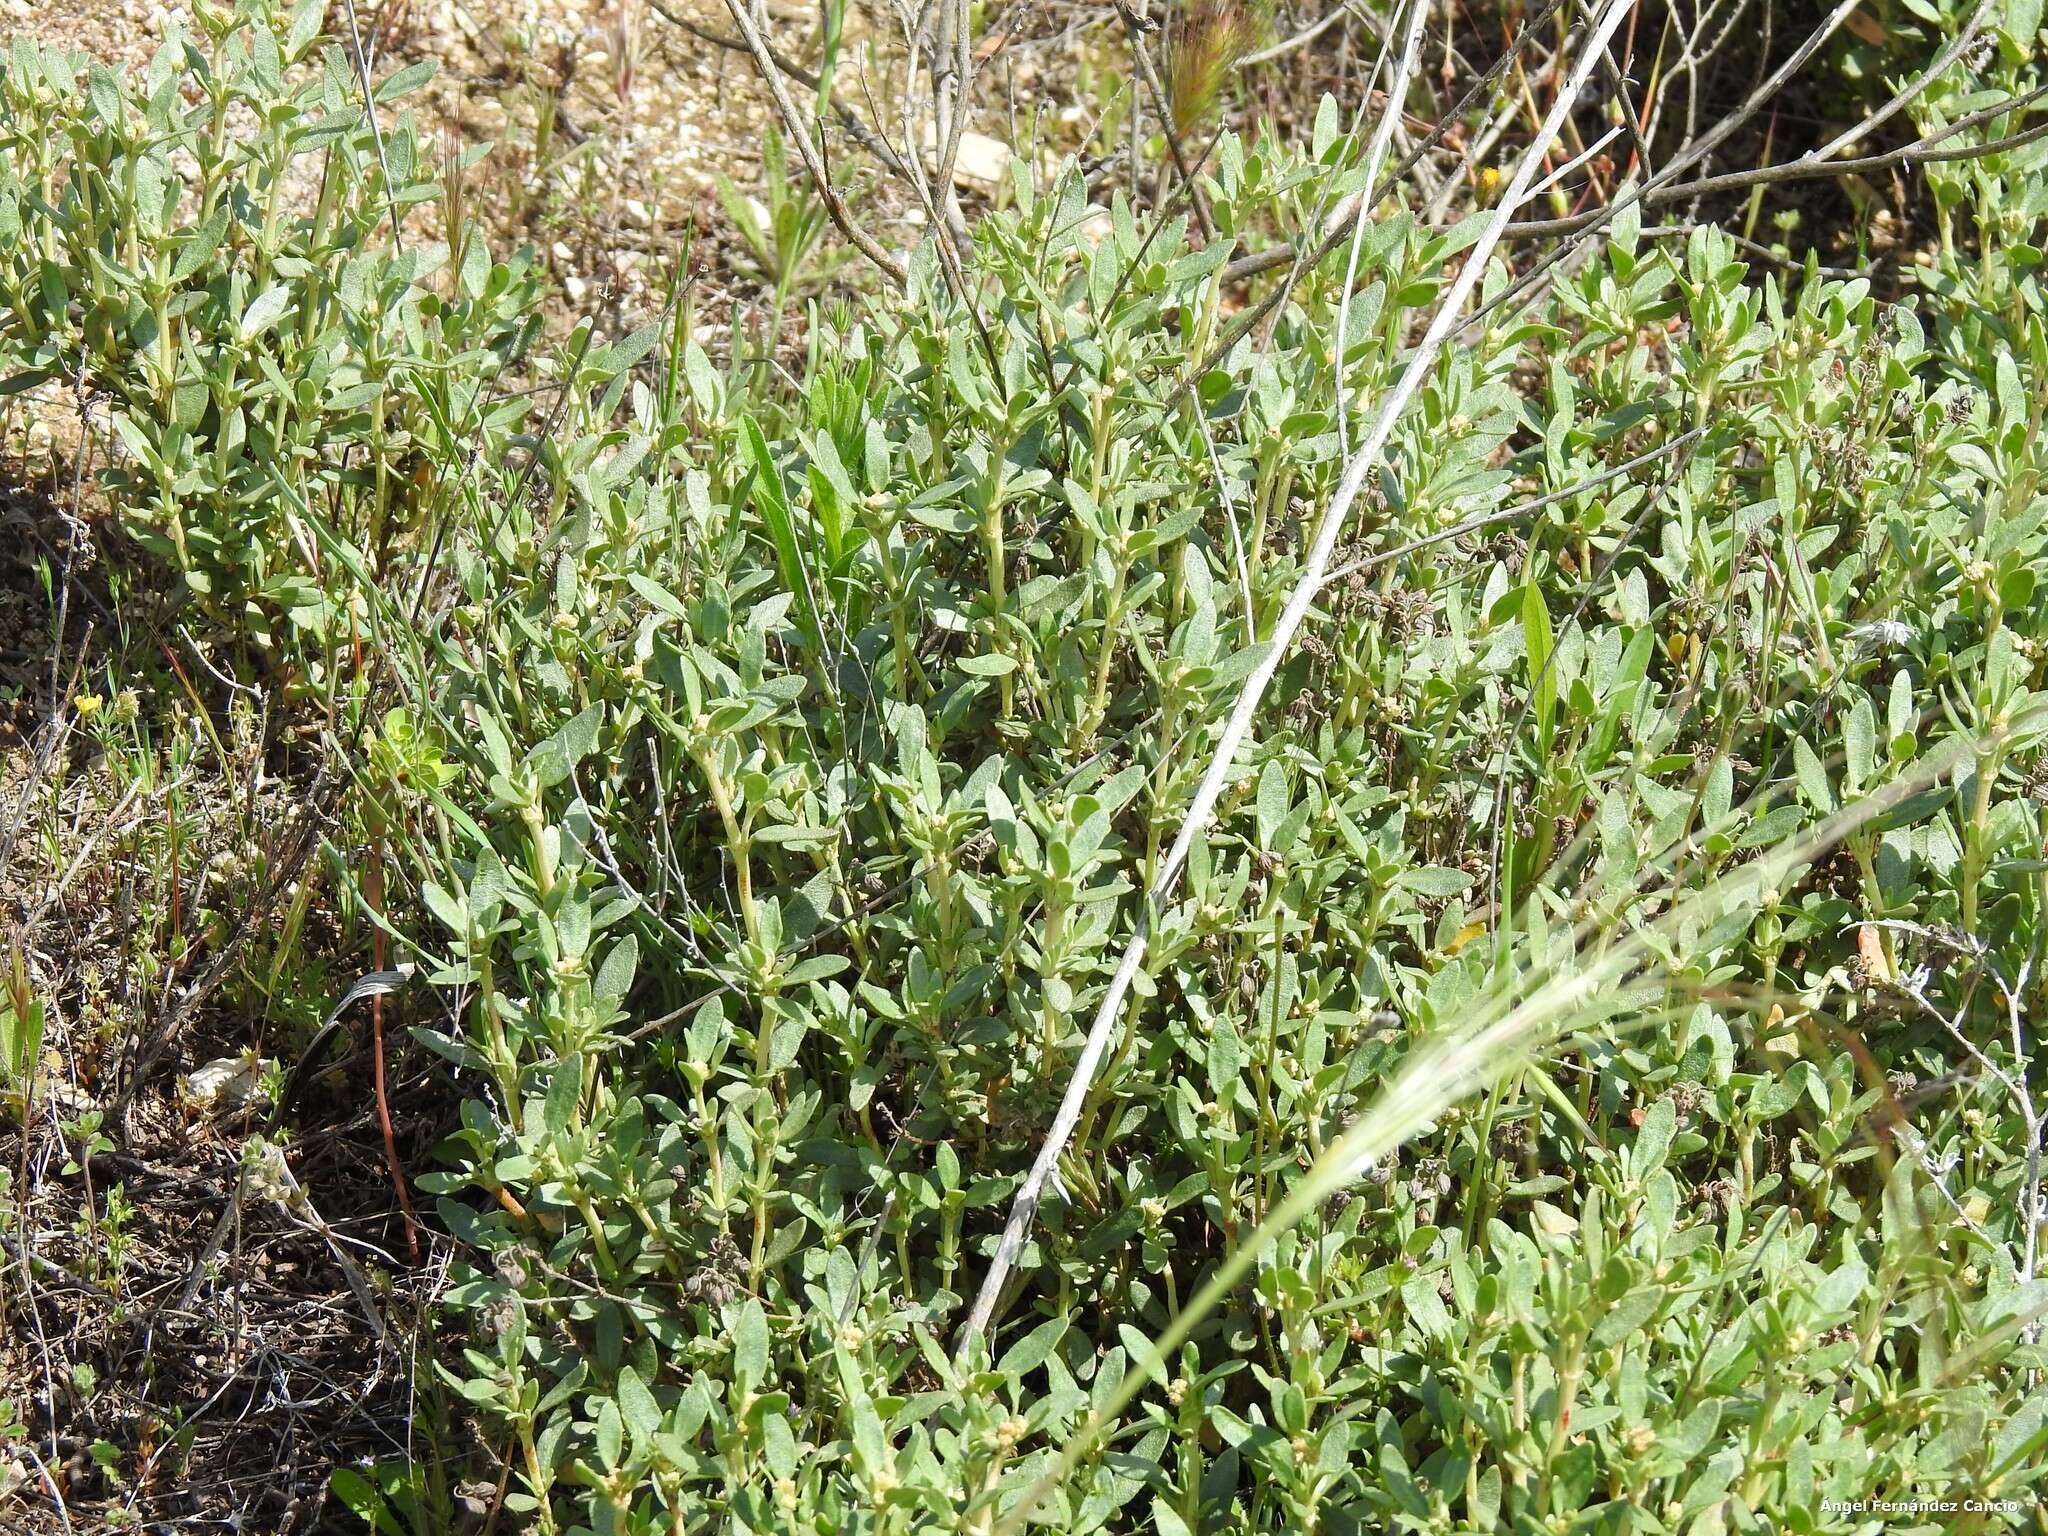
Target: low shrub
[
  {"x": 781, "y": 769},
  {"x": 232, "y": 315}
]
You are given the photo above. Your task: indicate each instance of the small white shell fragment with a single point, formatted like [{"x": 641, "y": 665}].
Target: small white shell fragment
[{"x": 226, "y": 1083}]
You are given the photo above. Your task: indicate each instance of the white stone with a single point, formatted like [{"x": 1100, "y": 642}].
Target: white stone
[
  {"x": 980, "y": 161},
  {"x": 226, "y": 1083}
]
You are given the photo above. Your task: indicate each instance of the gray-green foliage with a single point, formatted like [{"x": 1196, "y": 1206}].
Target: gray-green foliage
[
  {"x": 785, "y": 765},
  {"x": 203, "y": 257}
]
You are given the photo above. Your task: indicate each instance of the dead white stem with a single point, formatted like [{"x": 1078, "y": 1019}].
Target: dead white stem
[
  {"x": 1336, "y": 517},
  {"x": 1307, "y": 35},
  {"x": 1898, "y": 102},
  {"x": 1397, "y": 96},
  {"x": 1244, "y": 571},
  {"x": 1575, "y": 162},
  {"x": 952, "y": 79},
  {"x": 362, "y": 61}
]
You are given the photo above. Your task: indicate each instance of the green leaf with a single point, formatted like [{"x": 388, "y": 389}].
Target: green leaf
[
  {"x": 1859, "y": 746},
  {"x": 452, "y": 911},
  {"x": 1328, "y": 127},
  {"x": 565, "y": 1091},
  {"x": 1695, "y": 1433},
  {"x": 364, "y": 1501},
  {"x": 943, "y": 516},
  {"x": 786, "y": 1041},
  {"x": 615, "y": 975},
  {"x": 1031, "y": 1351},
  {"x": 815, "y": 968},
  {"x": 1836, "y": 1294},
  {"x": 1272, "y": 801},
  {"x": 1539, "y": 643},
  {"x": 1813, "y": 778},
  {"x": 406, "y": 81},
  {"x": 1625, "y": 1318},
  {"x": 1091, "y": 830},
  {"x": 198, "y": 247},
  {"x": 1425, "y": 1307},
  {"x": 1434, "y": 880},
  {"x": 773, "y": 505},
  {"x": 1236, "y": 667},
  {"x": 611, "y": 1435},
  {"x": 749, "y": 1343},
  {"x": 306, "y": 19},
  {"x": 1226, "y": 1059},
  {"x": 622, "y": 354},
  {"x": 476, "y": 263},
  {"x": 659, "y": 596},
  {"x": 558, "y": 756},
  {"x": 1653, "y": 1139},
  {"x": 135, "y": 438},
  {"x": 638, "y": 1407},
  {"x": 264, "y": 311},
  {"x": 103, "y": 91}
]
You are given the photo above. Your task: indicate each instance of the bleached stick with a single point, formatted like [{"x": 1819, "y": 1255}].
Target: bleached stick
[{"x": 1334, "y": 520}]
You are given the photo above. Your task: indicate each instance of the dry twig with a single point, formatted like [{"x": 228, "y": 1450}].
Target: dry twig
[
  {"x": 1335, "y": 519},
  {"x": 799, "y": 131}
]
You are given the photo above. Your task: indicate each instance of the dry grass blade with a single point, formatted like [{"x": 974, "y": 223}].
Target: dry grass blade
[{"x": 1522, "y": 1010}]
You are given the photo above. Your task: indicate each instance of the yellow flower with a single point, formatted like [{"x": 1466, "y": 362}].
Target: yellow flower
[
  {"x": 87, "y": 705},
  {"x": 1489, "y": 179}
]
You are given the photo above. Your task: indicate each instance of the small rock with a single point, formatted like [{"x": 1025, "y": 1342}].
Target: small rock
[
  {"x": 980, "y": 161},
  {"x": 68, "y": 1100}
]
